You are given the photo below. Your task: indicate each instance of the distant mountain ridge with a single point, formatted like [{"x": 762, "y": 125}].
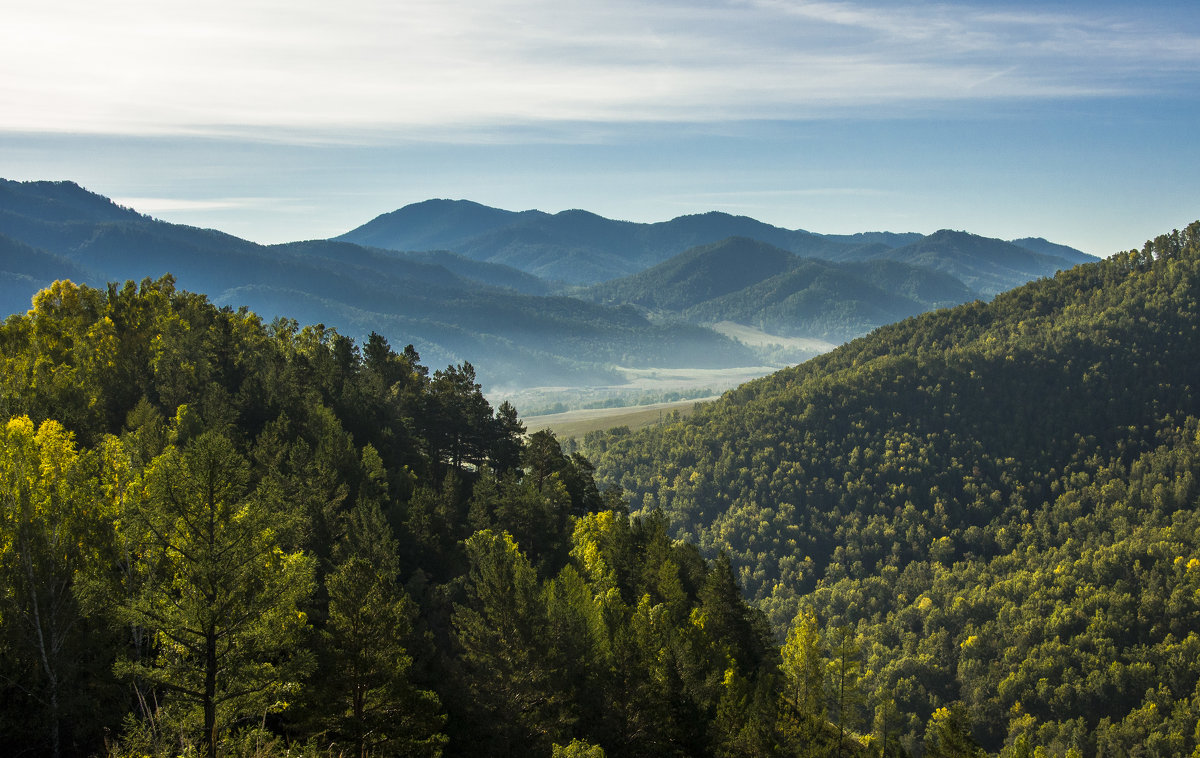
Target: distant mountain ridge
[
  {"x": 574, "y": 246},
  {"x": 1041, "y": 245},
  {"x": 760, "y": 285},
  {"x": 582, "y": 248},
  {"x": 988, "y": 266}
]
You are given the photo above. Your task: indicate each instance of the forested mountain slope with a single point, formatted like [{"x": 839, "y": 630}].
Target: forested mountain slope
[
  {"x": 988, "y": 266},
  {"x": 1045, "y": 247},
  {"x": 760, "y": 285},
  {"x": 697, "y": 275},
  {"x": 999, "y": 499},
  {"x": 25, "y": 269}
]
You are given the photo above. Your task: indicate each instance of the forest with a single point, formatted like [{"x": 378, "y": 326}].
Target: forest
[
  {"x": 973, "y": 532},
  {"x": 997, "y": 502},
  {"x": 222, "y": 537}
]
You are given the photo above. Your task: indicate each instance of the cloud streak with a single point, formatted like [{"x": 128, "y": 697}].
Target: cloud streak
[
  {"x": 153, "y": 205},
  {"x": 431, "y": 68}
]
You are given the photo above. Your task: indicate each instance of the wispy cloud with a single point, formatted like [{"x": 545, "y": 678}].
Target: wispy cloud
[
  {"x": 429, "y": 68},
  {"x": 153, "y": 205}
]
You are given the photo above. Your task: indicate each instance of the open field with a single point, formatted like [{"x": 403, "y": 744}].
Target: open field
[
  {"x": 578, "y": 423},
  {"x": 643, "y": 387},
  {"x": 748, "y": 335}
]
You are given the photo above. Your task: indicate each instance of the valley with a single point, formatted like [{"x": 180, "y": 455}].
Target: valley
[
  {"x": 624, "y": 379},
  {"x": 530, "y": 298},
  {"x": 978, "y": 518},
  {"x": 577, "y": 424}
]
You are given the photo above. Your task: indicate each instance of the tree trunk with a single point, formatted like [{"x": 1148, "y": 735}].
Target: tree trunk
[{"x": 210, "y": 695}]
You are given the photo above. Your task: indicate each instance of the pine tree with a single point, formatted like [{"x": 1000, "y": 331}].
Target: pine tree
[
  {"x": 218, "y": 587},
  {"x": 500, "y": 631},
  {"x": 364, "y": 684},
  {"x": 845, "y": 670}
]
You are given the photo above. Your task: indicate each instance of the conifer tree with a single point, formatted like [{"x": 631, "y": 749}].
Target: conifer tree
[
  {"x": 500, "y": 631},
  {"x": 803, "y": 669},
  {"x": 364, "y": 683},
  {"x": 845, "y": 672},
  {"x": 219, "y": 588}
]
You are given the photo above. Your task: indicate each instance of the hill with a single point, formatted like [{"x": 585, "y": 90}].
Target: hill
[
  {"x": 1041, "y": 245},
  {"x": 494, "y": 274},
  {"x": 25, "y": 270},
  {"x": 1000, "y": 499},
  {"x": 432, "y": 225},
  {"x": 756, "y": 284},
  {"x": 988, "y": 266},
  {"x": 697, "y": 275}
]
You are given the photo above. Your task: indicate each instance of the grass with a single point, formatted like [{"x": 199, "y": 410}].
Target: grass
[{"x": 579, "y": 423}]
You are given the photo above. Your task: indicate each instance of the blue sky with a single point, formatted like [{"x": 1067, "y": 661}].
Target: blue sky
[{"x": 290, "y": 120}]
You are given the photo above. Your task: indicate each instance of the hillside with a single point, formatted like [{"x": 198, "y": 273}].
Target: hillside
[
  {"x": 697, "y": 275},
  {"x": 25, "y": 270},
  {"x": 1045, "y": 247},
  {"x": 1000, "y": 499},
  {"x": 219, "y": 537},
  {"x": 756, "y": 284},
  {"x": 988, "y": 266},
  {"x": 834, "y": 302}
]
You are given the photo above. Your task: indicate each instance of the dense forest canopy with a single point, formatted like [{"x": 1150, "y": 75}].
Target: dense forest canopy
[
  {"x": 998, "y": 499},
  {"x": 235, "y": 538}
]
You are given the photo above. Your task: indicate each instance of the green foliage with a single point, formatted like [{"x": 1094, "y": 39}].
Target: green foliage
[
  {"x": 293, "y": 541},
  {"x": 54, "y": 532},
  {"x": 999, "y": 498},
  {"x": 803, "y": 667},
  {"x": 507, "y": 671},
  {"x": 577, "y": 749},
  {"x": 363, "y": 694},
  {"x": 219, "y": 587},
  {"x": 949, "y": 736}
]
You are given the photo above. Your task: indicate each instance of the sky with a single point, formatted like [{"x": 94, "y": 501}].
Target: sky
[{"x": 278, "y": 121}]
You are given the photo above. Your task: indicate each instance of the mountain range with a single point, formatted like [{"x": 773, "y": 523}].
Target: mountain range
[
  {"x": 534, "y": 298},
  {"x": 582, "y": 248}
]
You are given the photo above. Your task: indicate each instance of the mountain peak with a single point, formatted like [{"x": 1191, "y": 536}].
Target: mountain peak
[
  {"x": 56, "y": 201},
  {"x": 434, "y": 224}
]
